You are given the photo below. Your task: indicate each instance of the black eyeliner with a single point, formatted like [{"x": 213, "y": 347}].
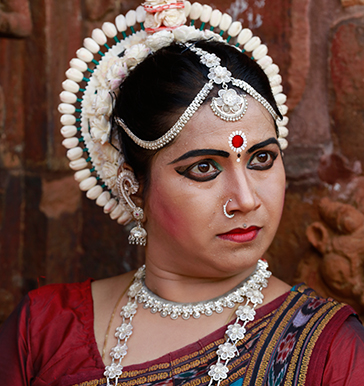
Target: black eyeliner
[
  {"x": 184, "y": 171},
  {"x": 274, "y": 156}
]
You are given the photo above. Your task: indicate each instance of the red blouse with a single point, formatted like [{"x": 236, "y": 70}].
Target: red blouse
[{"x": 49, "y": 340}]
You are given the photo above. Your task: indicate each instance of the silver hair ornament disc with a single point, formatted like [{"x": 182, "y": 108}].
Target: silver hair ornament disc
[{"x": 229, "y": 106}]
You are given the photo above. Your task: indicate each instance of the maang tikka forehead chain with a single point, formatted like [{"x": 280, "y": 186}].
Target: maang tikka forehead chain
[{"x": 229, "y": 105}]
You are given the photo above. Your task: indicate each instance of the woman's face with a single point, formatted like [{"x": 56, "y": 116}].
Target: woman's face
[{"x": 192, "y": 179}]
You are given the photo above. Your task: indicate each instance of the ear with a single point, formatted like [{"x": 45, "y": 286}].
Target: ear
[
  {"x": 318, "y": 236},
  {"x": 137, "y": 198}
]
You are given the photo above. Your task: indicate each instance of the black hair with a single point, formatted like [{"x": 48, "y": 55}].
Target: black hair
[{"x": 159, "y": 89}]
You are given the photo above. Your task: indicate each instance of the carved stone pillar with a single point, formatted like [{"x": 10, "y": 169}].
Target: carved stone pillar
[
  {"x": 15, "y": 20},
  {"x": 335, "y": 268}
]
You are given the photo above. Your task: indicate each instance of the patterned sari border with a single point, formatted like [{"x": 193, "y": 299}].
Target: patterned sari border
[
  {"x": 315, "y": 333},
  {"x": 284, "y": 312}
]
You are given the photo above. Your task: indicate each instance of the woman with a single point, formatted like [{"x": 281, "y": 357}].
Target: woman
[{"x": 200, "y": 170}]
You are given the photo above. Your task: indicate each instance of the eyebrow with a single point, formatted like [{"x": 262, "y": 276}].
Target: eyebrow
[
  {"x": 263, "y": 144},
  {"x": 199, "y": 152}
]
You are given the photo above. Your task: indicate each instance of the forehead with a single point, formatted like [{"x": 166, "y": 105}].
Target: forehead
[{"x": 206, "y": 130}]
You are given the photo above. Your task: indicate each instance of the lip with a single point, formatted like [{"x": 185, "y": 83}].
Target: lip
[{"x": 240, "y": 235}]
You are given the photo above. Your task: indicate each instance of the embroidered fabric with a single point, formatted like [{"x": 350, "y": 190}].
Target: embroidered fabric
[{"x": 56, "y": 321}]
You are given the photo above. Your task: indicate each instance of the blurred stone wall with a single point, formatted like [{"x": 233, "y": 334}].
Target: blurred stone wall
[{"x": 49, "y": 232}]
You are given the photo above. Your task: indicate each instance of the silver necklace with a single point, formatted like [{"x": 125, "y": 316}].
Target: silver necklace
[
  {"x": 250, "y": 291},
  {"x": 186, "y": 310}
]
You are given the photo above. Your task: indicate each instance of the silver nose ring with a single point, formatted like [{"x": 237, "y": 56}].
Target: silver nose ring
[{"x": 224, "y": 209}]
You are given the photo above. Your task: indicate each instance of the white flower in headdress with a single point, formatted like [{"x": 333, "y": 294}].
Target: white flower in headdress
[
  {"x": 113, "y": 155},
  {"x": 185, "y": 33},
  {"x": 116, "y": 74},
  {"x": 103, "y": 68},
  {"x": 210, "y": 35},
  {"x": 95, "y": 151},
  {"x": 173, "y": 17},
  {"x": 138, "y": 38},
  {"x": 136, "y": 54},
  {"x": 102, "y": 103},
  {"x": 152, "y": 20},
  {"x": 100, "y": 128},
  {"x": 219, "y": 75},
  {"x": 88, "y": 106},
  {"x": 110, "y": 172},
  {"x": 158, "y": 3},
  {"x": 107, "y": 160},
  {"x": 159, "y": 39}
]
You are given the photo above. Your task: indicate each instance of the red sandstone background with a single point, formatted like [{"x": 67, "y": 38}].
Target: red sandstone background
[{"x": 51, "y": 233}]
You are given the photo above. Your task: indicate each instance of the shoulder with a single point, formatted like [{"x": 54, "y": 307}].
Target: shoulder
[
  {"x": 62, "y": 296},
  {"x": 109, "y": 290},
  {"x": 107, "y": 294},
  {"x": 314, "y": 301},
  {"x": 345, "y": 359},
  {"x": 51, "y": 323},
  {"x": 56, "y": 308},
  {"x": 326, "y": 327},
  {"x": 325, "y": 314},
  {"x": 351, "y": 330}
]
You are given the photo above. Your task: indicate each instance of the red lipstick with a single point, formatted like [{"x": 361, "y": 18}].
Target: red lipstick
[{"x": 240, "y": 235}]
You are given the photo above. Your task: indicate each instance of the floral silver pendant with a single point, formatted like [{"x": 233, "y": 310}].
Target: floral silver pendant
[{"x": 229, "y": 105}]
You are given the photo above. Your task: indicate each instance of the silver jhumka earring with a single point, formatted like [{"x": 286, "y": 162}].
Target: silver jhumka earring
[{"x": 128, "y": 185}]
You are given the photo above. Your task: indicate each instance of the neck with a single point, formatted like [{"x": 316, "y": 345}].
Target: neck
[{"x": 184, "y": 288}]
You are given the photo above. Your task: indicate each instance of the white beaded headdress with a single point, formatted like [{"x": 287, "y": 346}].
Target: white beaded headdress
[{"x": 104, "y": 62}]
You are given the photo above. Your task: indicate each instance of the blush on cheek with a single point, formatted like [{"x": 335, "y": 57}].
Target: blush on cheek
[{"x": 165, "y": 216}]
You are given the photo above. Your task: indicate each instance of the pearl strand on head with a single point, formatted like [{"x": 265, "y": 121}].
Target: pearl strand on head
[{"x": 250, "y": 290}]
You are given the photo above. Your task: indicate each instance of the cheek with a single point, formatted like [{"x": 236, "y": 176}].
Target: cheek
[
  {"x": 279, "y": 196},
  {"x": 165, "y": 213},
  {"x": 274, "y": 196}
]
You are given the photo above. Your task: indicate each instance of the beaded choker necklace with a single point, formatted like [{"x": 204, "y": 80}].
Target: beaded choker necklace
[
  {"x": 248, "y": 292},
  {"x": 186, "y": 310}
]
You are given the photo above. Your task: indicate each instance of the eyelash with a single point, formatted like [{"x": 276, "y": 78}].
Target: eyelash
[
  {"x": 204, "y": 176},
  {"x": 264, "y": 165},
  {"x": 208, "y": 176}
]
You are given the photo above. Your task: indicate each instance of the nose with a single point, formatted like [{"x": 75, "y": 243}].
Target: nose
[{"x": 243, "y": 193}]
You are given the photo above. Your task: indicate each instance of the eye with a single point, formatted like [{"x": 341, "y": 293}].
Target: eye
[
  {"x": 204, "y": 170},
  {"x": 262, "y": 160},
  {"x": 202, "y": 167}
]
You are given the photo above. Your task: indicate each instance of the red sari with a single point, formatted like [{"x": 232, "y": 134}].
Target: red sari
[{"x": 298, "y": 339}]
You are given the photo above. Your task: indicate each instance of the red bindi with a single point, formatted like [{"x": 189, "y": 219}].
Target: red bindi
[{"x": 237, "y": 141}]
